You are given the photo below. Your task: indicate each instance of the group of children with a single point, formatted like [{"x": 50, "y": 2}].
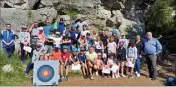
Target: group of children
[{"x": 79, "y": 47}]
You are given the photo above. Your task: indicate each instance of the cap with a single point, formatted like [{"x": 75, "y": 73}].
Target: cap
[
  {"x": 41, "y": 28},
  {"x": 75, "y": 50},
  {"x": 65, "y": 47},
  {"x": 57, "y": 32},
  {"x": 122, "y": 33},
  {"x": 73, "y": 26},
  {"x": 99, "y": 54},
  {"x": 23, "y": 27},
  {"x": 57, "y": 47}
]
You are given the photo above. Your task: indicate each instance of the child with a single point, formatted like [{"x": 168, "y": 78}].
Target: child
[
  {"x": 114, "y": 67},
  {"x": 121, "y": 57},
  {"x": 58, "y": 40},
  {"x": 77, "y": 65},
  {"x": 98, "y": 63},
  {"x": 131, "y": 56},
  {"x": 105, "y": 65},
  {"x": 41, "y": 36},
  {"x": 65, "y": 62},
  {"x": 82, "y": 59},
  {"x": 111, "y": 46},
  {"x": 56, "y": 54},
  {"x": 35, "y": 57}
]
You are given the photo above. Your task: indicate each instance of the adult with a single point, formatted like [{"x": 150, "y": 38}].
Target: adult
[
  {"x": 124, "y": 40},
  {"x": 152, "y": 47},
  {"x": 104, "y": 39},
  {"x": 34, "y": 29},
  {"x": 24, "y": 38},
  {"x": 81, "y": 23},
  {"x": 73, "y": 35},
  {"x": 61, "y": 26},
  {"x": 91, "y": 56},
  {"x": 47, "y": 28},
  {"x": 8, "y": 37},
  {"x": 140, "y": 47},
  {"x": 55, "y": 24}
]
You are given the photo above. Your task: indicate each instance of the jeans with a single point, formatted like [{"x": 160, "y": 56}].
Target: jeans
[
  {"x": 9, "y": 50},
  {"x": 138, "y": 65},
  {"x": 23, "y": 55},
  {"x": 29, "y": 66}
]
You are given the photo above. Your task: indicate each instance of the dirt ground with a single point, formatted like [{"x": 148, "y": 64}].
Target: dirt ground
[
  {"x": 164, "y": 71},
  {"x": 108, "y": 81}
]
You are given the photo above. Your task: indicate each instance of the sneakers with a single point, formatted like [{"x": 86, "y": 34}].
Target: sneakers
[
  {"x": 113, "y": 76},
  {"x": 96, "y": 73},
  {"x": 123, "y": 75},
  {"x": 26, "y": 75},
  {"x": 66, "y": 78},
  {"x": 153, "y": 78},
  {"x": 91, "y": 77},
  {"x": 130, "y": 76},
  {"x": 137, "y": 74},
  {"x": 117, "y": 76}
]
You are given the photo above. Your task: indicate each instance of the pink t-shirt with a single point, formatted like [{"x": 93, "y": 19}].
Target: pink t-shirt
[
  {"x": 41, "y": 39},
  {"x": 112, "y": 47}
]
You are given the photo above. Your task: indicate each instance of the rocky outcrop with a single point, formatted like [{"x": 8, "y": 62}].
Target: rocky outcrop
[{"x": 100, "y": 14}]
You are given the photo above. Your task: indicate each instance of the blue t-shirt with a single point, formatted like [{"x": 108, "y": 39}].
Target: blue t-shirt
[
  {"x": 82, "y": 58},
  {"x": 47, "y": 30},
  {"x": 61, "y": 27},
  {"x": 73, "y": 34}
]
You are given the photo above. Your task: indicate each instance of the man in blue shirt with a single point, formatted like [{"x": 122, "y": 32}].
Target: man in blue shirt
[
  {"x": 152, "y": 47},
  {"x": 47, "y": 28},
  {"x": 8, "y": 37}
]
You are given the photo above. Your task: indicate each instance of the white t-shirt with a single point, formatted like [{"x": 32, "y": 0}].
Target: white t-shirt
[
  {"x": 80, "y": 24},
  {"x": 84, "y": 32},
  {"x": 58, "y": 40},
  {"x": 111, "y": 61},
  {"x": 112, "y": 47}
]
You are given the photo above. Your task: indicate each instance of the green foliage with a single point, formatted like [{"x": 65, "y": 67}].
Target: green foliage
[
  {"x": 14, "y": 78},
  {"x": 159, "y": 19},
  {"x": 72, "y": 12},
  {"x": 30, "y": 14}
]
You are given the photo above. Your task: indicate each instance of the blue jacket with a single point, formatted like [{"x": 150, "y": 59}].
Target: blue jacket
[
  {"x": 7, "y": 38},
  {"x": 152, "y": 46},
  {"x": 61, "y": 27}
]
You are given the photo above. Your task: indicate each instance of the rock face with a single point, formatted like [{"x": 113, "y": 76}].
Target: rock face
[{"x": 100, "y": 14}]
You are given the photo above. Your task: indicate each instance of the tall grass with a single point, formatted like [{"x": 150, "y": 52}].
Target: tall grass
[{"x": 17, "y": 77}]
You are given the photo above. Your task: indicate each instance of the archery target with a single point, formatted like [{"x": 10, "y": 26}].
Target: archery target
[{"x": 46, "y": 72}]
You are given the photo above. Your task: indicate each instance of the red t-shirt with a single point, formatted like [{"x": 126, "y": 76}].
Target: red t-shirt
[
  {"x": 56, "y": 55},
  {"x": 65, "y": 56}
]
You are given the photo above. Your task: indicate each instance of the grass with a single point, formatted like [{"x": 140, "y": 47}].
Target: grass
[{"x": 12, "y": 78}]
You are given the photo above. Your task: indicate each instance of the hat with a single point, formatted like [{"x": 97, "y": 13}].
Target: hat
[
  {"x": 73, "y": 26},
  {"x": 57, "y": 47},
  {"x": 99, "y": 54},
  {"x": 40, "y": 28},
  {"x": 75, "y": 50},
  {"x": 122, "y": 33},
  {"x": 23, "y": 27},
  {"x": 65, "y": 47},
  {"x": 57, "y": 32}
]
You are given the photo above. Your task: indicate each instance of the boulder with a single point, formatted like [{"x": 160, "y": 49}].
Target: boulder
[
  {"x": 7, "y": 68},
  {"x": 19, "y": 17},
  {"x": 22, "y": 4}
]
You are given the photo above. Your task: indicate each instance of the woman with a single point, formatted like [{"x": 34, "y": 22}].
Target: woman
[{"x": 99, "y": 47}]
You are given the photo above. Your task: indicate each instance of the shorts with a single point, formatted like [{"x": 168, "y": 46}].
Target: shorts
[
  {"x": 68, "y": 63},
  {"x": 121, "y": 59}
]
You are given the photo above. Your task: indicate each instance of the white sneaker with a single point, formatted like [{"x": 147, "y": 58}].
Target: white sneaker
[
  {"x": 123, "y": 75},
  {"x": 138, "y": 75},
  {"x": 97, "y": 74},
  {"x": 136, "y": 72},
  {"x": 116, "y": 76},
  {"x": 113, "y": 76}
]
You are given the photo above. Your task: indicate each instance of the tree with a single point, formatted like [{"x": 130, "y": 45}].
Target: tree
[{"x": 159, "y": 19}]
